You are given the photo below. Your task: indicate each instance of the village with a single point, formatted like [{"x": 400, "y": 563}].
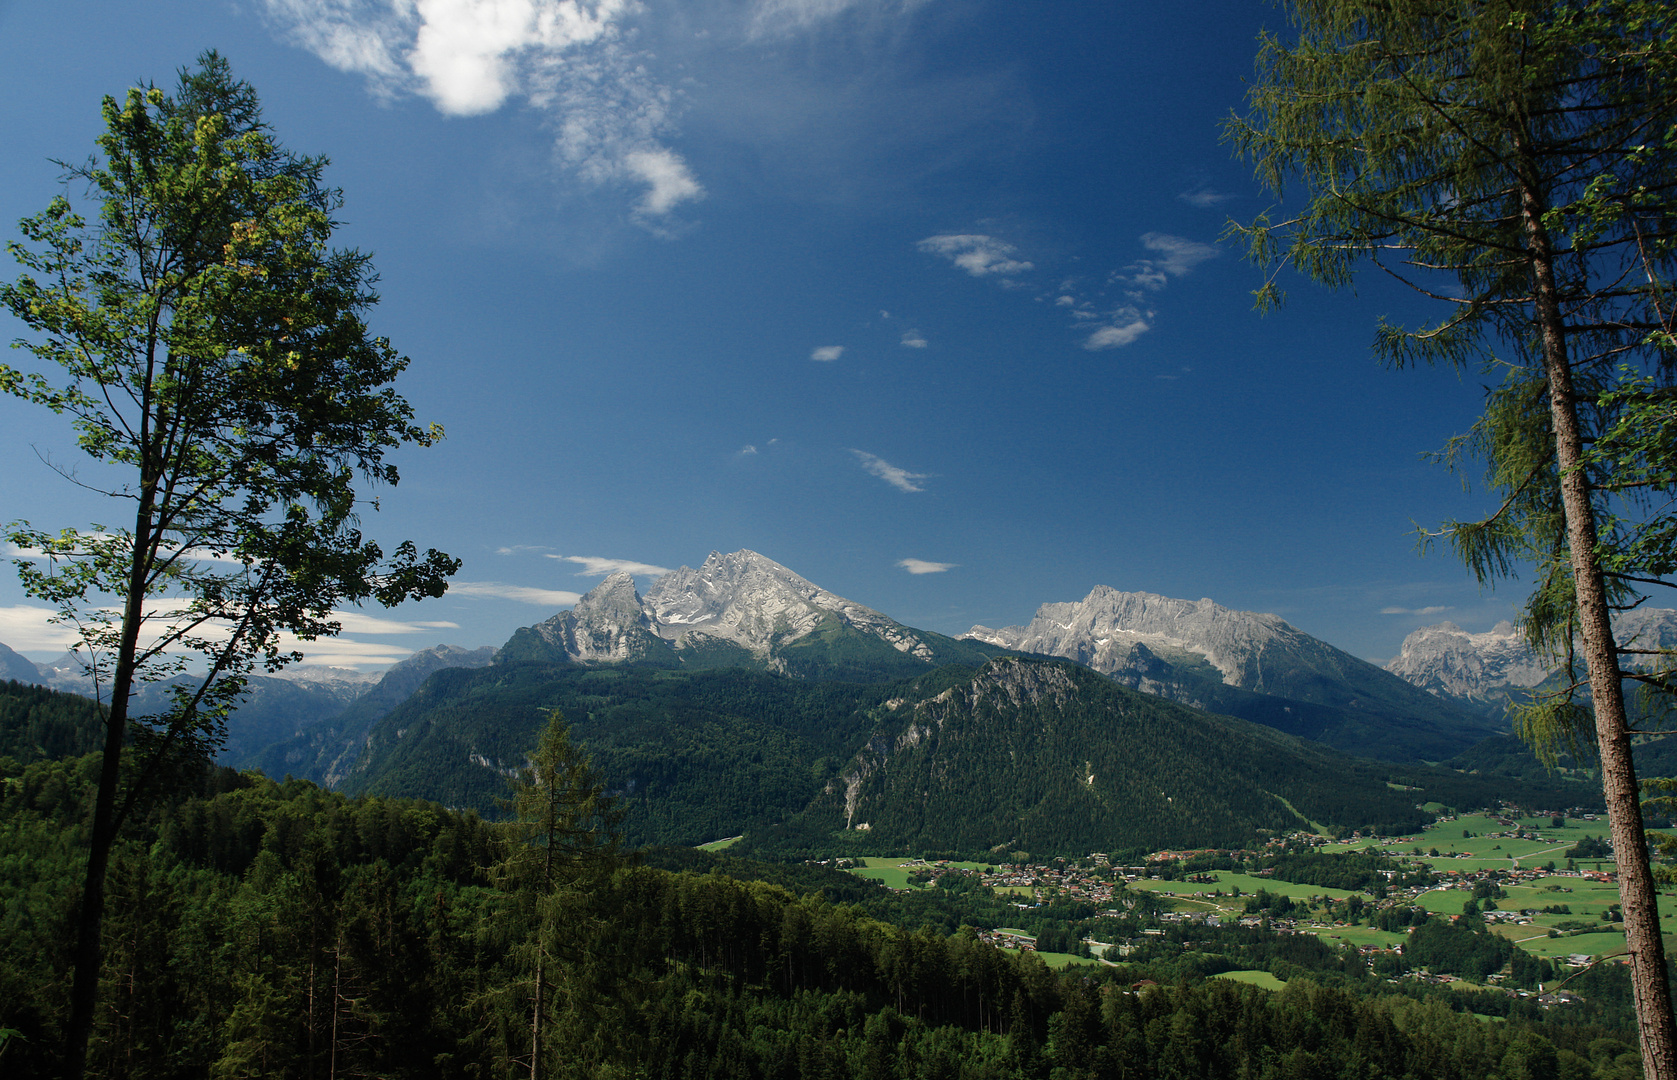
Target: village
[{"x": 1509, "y": 869}]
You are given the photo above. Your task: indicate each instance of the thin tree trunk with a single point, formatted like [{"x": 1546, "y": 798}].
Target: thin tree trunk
[
  {"x": 1656, "y": 1026},
  {"x": 536, "y": 1023}
]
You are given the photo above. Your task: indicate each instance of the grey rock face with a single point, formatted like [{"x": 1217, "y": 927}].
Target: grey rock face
[
  {"x": 1103, "y": 630},
  {"x": 607, "y": 626},
  {"x": 754, "y": 602},
  {"x": 741, "y": 599},
  {"x": 1448, "y": 661}
]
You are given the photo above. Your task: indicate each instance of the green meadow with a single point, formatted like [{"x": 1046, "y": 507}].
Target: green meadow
[{"x": 1261, "y": 979}]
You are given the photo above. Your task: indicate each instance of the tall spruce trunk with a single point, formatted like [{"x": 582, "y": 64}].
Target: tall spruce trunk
[{"x": 1656, "y": 1027}]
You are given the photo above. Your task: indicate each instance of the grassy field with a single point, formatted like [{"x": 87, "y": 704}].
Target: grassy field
[
  {"x": 1058, "y": 960},
  {"x": 1480, "y": 851},
  {"x": 1253, "y": 978},
  {"x": 1361, "y": 935},
  {"x": 721, "y": 845}
]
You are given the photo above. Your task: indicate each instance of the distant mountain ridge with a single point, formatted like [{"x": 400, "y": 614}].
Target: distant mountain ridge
[
  {"x": 1246, "y": 664},
  {"x": 1483, "y": 669},
  {"x": 739, "y": 609}
]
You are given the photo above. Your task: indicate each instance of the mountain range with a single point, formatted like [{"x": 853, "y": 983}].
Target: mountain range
[
  {"x": 740, "y": 696},
  {"x": 1483, "y": 670},
  {"x": 1257, "y": 667}
]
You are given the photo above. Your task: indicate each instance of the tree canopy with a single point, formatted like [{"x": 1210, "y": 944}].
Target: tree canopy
[
  {"x": 1516, "y": 162},
  {"x": 210, "y": 350}
]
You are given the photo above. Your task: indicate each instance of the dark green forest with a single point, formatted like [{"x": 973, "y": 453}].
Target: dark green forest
[
  {"x": 271, "y": 928},
  {"x": 696, "y": 756}
]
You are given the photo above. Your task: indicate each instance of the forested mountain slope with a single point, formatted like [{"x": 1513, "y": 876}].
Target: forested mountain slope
[{"x": 1022, "y": 751}]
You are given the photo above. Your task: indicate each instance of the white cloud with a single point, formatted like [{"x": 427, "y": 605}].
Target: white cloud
[
  {"x": 921, "y": 566},
  {"x": 669, "y": 182},
  {"x": 1204, "y": 198},
  {"x": 771, "y": 18},
  {"x": 1415, "y": 611},
  {"x": 827, "y": 353},
  {"x": 594, "y": 566},
  {"x": 344, "y": 652},
  {"x": 747, "y": 450},
  {"x": 913, "y": 339},
  {"x": 901, "y": 479},
  {"x": 978, "y": 255},
  {"x": 29, "y": 629},
  {"x": 1179, "y": 256},
  {"x": 1065, "y": 301},
  {"x": 524, "y": 594},
  {"x": 521, "y": 549},
  {"x": 355, "y": 622},
  {"x": 1117, "y": 336},
  {"x": 565, "y": 57}
]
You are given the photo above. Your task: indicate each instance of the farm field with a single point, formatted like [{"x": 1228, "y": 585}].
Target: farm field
[
  {"x": 1261, "y": 979},
  {"x": 894, "y": 871}
]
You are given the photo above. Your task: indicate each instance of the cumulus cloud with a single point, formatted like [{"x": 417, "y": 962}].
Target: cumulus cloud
[
  {"x": 567, "y": 58},
  {"x": 827, "y": 353},
  {"x": 921, "y": 566},
  {"x": 1437, "y": 610},
  {"x": 901, "y": 479},
  {"x": 980, "y": 256},
  {"x": 913, "y": 339},
  {"x": 594, "y": 566},
  {"x": 1115, "y": 335},
  {"x": 747, "y": 450},
  {"x": 524, "y": 594}
]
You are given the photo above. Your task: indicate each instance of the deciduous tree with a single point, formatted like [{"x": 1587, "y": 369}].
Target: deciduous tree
[{"x": 209, "y": 347}]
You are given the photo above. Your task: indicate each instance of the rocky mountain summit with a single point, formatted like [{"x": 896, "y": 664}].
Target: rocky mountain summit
[
  {"x": 740, "y": 608},
  {"x": 1246, "y": 664},
  {"x": 1482, "y": 669},
  {"x": 1103, "y": 631},
  {"x": 1448, "y": 661}
]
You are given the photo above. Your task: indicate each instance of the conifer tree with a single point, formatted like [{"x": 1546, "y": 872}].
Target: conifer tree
[
  {"x": 562, "y": 842},
  {"x": 1517, "y": 162}
]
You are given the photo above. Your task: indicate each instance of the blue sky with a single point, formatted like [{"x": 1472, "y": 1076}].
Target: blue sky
[{"x": 925, "y": 300}]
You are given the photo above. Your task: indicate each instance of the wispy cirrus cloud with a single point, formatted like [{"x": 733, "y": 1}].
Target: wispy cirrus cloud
[
  {"x": 901, "y": 479},
  {"x": 978, "y": 255},
  {"x": 31, "y": 629},
  {"x": 921, "y": 566},
  {"x": 827, "y": 353},
  {"x": 1203, "y": 198},
  {"x": 569, "y": 59},
  {"x": 524, "y": 594},
  {"x": 1173, "y": 257},
  {"x": 776, "y": 17},
  {"x": 1435, "y": 610},
  {"x": 594, "y": 566}
]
